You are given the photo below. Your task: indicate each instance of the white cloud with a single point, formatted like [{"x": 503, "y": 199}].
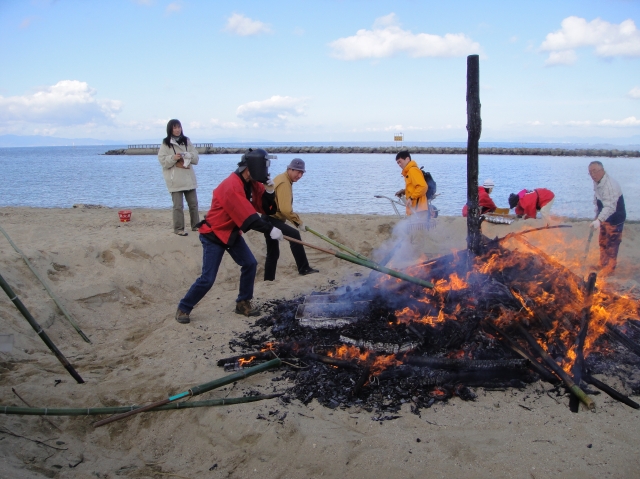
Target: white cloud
[
  {"x": 68, "y": 102},
  {"x": 273, "y": 111},
  {"x": 238, "y": 24},
  {"x": 634, "y": 93},
  {"x": 608, "y": 39},
  {"x": 565, "y": 57},
  {"x": 224, "y": 125},
  {"x": 631, "y": 121},
  {"x": 173, "y": 7},
  {"x": 387, "y": 39}
]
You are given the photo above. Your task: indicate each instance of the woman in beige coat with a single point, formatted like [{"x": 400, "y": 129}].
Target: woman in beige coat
[{"x": 177, "y": 155}]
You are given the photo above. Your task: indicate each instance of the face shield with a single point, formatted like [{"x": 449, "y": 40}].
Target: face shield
[{"x": 258, "y": 162}]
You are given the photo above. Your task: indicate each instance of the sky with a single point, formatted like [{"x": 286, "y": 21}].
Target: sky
[{"x": 320, "y": 71}]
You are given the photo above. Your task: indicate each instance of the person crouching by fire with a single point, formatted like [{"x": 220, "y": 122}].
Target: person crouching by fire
[
  {"x": 235, "y": 208},
  {"x": 484, "y": 200},
  {"x": 415, "y": 190},
  {"x": 610, "y": 216},
  {"x": 527, "y": 203}
]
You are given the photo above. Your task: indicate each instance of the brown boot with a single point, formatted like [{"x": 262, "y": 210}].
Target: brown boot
[
  {"x": 245, "y": 307},
  {"x": 182, "y": 317}
]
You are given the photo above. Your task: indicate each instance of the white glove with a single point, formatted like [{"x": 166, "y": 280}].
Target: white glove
[
  {"x": 596, "y": 225},
  {"x": 302, "y": 227},
  {"x": 276, "y": 234},
  {"x": 187, "y": 155},
  {"x": 269, "y": 186}
]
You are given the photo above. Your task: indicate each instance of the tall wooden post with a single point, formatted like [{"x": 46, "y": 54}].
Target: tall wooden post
[{"x": 474, "y": 128}]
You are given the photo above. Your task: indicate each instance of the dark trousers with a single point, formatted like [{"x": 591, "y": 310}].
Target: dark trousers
[
  {"x": 609, "y": 240},
  {"x": 211, "y": 258},
  {"x": 273, "y": 249},
  {"x": 178, "y": 209}
]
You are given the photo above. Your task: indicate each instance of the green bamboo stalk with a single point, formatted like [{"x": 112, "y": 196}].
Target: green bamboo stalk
[
  {"x": 202, "y": 388},
  {"x": 38, "y": 329},
  {"x": 337, "y": 245},
  {"x": 51, "y": 294},
  {"x": 568, "y": 381},
  {"x": 33, "y": 411},
  {"x": 366, "y": 264}
]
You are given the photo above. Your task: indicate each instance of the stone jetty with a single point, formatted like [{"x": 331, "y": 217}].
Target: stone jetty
[{"x": 429, "y": 150}]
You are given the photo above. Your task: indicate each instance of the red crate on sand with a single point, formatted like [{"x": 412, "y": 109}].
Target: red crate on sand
[{"x": 125, "y": 215}]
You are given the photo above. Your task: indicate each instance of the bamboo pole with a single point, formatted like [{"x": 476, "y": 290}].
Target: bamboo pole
[
  {"x": 366, "y": 264},
  {"x": 96, "y": 411},
  {"x": 610, "y": 391},
  {"x": 573, "y": 387},
  {"x": 585, "y": 319},
  {"x": 338, "y": 245},
  {"x": 51, "y": 293},
  {"x": 38, "y": 329},
  {"x": 202, "y": 388}
]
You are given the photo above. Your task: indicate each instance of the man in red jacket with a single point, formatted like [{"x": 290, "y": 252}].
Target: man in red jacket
[
  {"x": 235, "y": 208},
  {"x": 527, "y": 203}
]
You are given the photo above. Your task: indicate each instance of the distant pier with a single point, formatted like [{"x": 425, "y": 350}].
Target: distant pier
[{"x": 209, "y": 149}]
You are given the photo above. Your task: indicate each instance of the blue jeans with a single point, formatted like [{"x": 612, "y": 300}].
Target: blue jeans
[{"x": 211, "y": 258}]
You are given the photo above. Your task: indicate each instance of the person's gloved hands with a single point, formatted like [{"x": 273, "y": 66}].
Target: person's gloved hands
[
  {"x": 302, "y": 227},
  {"x": 269, "y": 186},
  {"x": 187, "y": 155},
  {"x": 399, "y": 193},
  {"x": 596, "y": 225},
  {"x": 276, "y": 234}
]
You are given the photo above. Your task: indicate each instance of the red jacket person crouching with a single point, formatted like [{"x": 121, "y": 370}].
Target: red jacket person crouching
[{"x": 527, "y": 203}]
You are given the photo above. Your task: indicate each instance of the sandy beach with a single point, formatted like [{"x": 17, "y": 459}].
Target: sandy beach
[{"x": 122, "y": 283}]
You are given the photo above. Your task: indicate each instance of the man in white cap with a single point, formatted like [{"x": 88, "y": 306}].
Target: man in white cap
[
  {"x": 284, "y": 200},
  {"x": 484, "y": 200}
]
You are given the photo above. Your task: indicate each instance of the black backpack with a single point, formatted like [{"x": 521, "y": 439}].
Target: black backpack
[{"x": 431, "y": 183}]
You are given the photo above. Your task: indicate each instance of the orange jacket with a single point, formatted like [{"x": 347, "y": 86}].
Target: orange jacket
[{"x": 415, "y": 187}]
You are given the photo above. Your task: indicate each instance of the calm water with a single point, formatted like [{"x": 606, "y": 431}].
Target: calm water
[{"x": 63, "y": 176}]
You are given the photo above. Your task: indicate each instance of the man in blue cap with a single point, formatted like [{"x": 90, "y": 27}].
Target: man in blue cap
[{"x": 283, "y": 184}]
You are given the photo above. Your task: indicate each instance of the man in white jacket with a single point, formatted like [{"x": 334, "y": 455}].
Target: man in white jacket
[
  {"x": 610, "y": 216},
  {"x": 177, "y": 155}
]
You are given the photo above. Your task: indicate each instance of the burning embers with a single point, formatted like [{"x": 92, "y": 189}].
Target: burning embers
[{"x": 502, "y": 319}]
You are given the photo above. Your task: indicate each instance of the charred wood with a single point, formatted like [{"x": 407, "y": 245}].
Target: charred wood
[
  {"x": 509, "y": 342},
  {"x": 610, "y": 391},
  {"x": 426, "y": 377},
  {"x": 465, "y": 364},
  {"x": 623, "y": 339},
  {"x": 259, "y": 355},
  {"x": 340, "y": 363}
]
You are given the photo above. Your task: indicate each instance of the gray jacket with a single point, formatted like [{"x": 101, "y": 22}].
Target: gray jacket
[{"x": 178, "y": 179}]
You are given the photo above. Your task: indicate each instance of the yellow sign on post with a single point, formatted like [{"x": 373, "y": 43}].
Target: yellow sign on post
[{"x": 397, "y": 137}]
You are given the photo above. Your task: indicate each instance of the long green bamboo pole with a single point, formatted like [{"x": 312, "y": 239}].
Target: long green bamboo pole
[
  {"x": 38, "y": 329},
  {"x": 573, "y": 387},
  {"x": 95, "y": 411},
  {"x": 366, "y": 264},
  {"x": 202, "y": 388},
  {"x": 337, "y": 245},
  {"x": 51, "y": 294}
]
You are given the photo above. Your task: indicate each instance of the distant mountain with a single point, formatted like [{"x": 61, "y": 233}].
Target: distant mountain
[{"x": 7, "y": 141}]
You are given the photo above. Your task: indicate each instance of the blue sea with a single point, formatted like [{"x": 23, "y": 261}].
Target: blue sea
[{"x": 59, "y": 177}]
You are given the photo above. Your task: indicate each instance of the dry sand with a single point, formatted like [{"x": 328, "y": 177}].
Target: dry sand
[{"x": 122, "y": 282}]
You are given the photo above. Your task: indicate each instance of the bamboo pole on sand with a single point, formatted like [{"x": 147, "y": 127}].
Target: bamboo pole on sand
[
  {"x": 38, "y": 329},
  {"x": 96, "y": 411},
  {"x": 51, "y": 293},
  {"x": 202, "y": 388}
]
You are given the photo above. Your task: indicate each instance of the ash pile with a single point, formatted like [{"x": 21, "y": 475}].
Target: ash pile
[{"x": 500, "y": 320}]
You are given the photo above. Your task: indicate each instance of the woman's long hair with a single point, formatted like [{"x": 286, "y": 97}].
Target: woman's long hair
[{"x": 182, "y": 140}]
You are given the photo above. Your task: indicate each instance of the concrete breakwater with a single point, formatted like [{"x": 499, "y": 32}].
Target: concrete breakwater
[{"x": 391, "y": 150}]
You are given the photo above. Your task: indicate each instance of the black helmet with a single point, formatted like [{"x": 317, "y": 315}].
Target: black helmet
[{"x": 257, "y": 161}]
